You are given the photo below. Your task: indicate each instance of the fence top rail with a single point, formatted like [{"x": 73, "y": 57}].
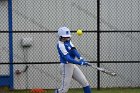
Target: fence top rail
[
  {"x": 93, "y": 31},
  {"x": 113, "y": 62}
]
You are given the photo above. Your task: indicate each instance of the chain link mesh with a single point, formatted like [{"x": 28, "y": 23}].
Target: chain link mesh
[
  {"x": 4, "y": 16},
  {"x": 127, "y": 75},
  {"x": 120, "y": 46},
  {"x": 119, "y": 15},
  {"x": 46, "y": 15},
  {"x": 40, "y": 20}
]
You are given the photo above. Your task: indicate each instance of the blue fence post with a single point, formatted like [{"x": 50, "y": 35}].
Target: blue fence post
[{"x": 10, "y": 43}]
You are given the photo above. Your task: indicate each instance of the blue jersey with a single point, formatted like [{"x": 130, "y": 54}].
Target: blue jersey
[{"x": 67, "y": 52}]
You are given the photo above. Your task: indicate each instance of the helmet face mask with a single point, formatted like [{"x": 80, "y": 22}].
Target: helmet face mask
[{"x": 64, "y": 39}]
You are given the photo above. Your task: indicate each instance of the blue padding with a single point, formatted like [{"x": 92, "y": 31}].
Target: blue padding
[{"x": 5, "y": 80}]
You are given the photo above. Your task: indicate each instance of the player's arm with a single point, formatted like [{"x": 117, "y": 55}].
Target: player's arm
[
  {"x": 75, "y": 52},
  {"x": 67, "y": 57},
  {"x": 71, "y": 60}
]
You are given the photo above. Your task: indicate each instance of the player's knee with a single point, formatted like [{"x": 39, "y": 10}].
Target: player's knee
[{"x": 85, "y": 83}]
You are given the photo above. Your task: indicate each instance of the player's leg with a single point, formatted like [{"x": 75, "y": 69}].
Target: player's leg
[
  {"x": 66, "y": 74},
  {"x": 80, "y": 77}
]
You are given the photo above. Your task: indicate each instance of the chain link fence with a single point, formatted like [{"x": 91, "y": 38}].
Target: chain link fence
[{"x": 39, "y": 20}]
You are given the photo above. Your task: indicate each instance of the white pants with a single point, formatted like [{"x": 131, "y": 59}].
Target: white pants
[{"x": 69, "y": 71}]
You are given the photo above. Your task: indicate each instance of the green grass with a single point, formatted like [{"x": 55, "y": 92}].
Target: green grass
[{"x": 111, "y": 90}]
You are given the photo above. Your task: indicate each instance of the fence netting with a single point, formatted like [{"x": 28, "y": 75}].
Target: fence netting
[{"x": 38, "y": 21}]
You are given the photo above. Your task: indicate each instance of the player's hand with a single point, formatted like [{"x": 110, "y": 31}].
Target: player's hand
[
  {"x": 84, "y": 63},
  {"x": 81, "y": 59}
]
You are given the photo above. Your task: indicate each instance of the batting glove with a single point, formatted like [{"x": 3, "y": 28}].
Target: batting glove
[
  {"x": 81, "y": 59},
  {"x": 84, "y": 63}
]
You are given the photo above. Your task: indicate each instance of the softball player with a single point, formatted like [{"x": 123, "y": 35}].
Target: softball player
[{"x": 67, "y": 53}]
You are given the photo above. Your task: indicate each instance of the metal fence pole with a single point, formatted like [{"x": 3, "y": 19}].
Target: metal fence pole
[{"x": 98, "y": 43}]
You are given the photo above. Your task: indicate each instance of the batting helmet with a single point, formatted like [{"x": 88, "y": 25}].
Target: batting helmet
[{"x": 64, "y": 32}]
